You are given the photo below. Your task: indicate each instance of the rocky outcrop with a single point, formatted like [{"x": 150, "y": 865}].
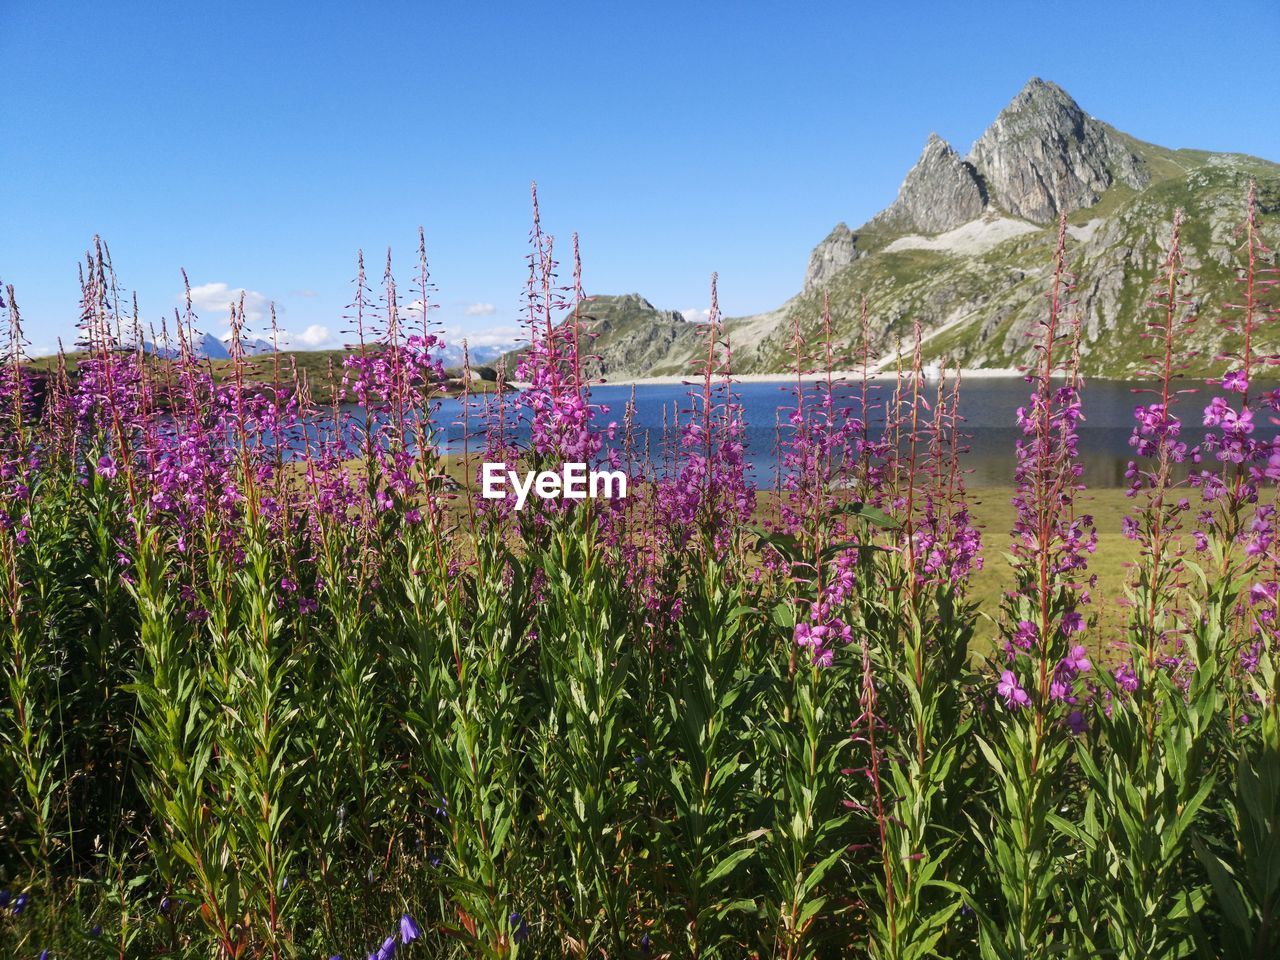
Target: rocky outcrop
[
  {"x": 627, "y": 336},
  {"x": 940, "y": 192},
  {"x": 626, "y": 308},
  {"x": 832, "y": 255},
  {"x": 1043, "y": 156}
]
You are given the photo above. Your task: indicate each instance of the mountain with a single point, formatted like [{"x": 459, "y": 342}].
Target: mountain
[
  {"x": 253, "y": 346},
  {"x": 966, "y": 248},
  {"x": 627, "y": 336},
  {"x": 205, "y": 345},
  {"x": 941, "y": 192},
  {"x": 1044, "y": 156},
  {"x": 451, "y": 354}
]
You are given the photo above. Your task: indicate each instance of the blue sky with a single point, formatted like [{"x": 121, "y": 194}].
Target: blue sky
[{"x": 259, "y": 145}]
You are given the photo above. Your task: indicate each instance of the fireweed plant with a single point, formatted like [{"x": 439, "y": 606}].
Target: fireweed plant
[{"x": 278, "y": 681}]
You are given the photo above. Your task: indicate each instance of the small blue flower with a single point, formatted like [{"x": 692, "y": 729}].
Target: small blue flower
[
  {"x": 521, "y": 931},
  {"x": 20, "y": 904},
  {"x": 644, "y": 944},
  {"x": 388, "y": 949},
  {"x": 96, "y": 932},
  {"x": 409, "y": 930}
]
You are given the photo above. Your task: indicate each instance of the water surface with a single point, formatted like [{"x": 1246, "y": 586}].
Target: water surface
[{"x": 987, "y": 406}]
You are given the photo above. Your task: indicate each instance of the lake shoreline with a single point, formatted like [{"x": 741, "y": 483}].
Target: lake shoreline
[{"x": 675, "y": 380}]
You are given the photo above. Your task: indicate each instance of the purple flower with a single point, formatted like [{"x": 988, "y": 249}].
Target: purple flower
[
  {"x": 1215, "y": 411},
  {"x": 387, "y": 950},
  {"x": 1024, "y": 638},
  {"x": 1235, "y": 382},
  {"x": 521, "y": 931},
  {"x": 1077, "y": 661},
  {"x": 107, "y": 467},
  {"x": 1014, "y": 696},
  {"x": 1126, "y": 679},
  {"x": 409, "y": 930},
  {"x": 1263, "y": 592},
  {"x": 1272, "y": 469},
  {"x": 1076, "y": 722}
]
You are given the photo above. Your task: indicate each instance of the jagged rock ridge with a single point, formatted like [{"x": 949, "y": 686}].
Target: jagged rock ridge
[
  {"x": 837, "y": 251},
  {"x": 1044, "y": 156},
  {"x": 941, "y": 192}
]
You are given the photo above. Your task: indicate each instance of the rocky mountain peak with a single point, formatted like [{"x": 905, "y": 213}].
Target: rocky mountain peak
[
  {"x": 837, "y": 251},
  {"x": 940, "y": 192},
  {"x": 626, "y": 306},
  {"x": 1043, "y": 155}
]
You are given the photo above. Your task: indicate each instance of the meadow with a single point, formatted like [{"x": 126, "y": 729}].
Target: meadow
[{"x": 317, "y": 698}]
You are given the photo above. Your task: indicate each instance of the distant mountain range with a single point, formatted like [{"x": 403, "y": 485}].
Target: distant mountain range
[
  {"x": 478, "y": 356},
  {"x": 966, "y": 248},
  {"x": 211, "y": 347}
]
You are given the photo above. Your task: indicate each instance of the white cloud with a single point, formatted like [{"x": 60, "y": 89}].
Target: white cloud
[
  {"x": 303, "y": 293},
  {"x": 481, "y": 309},
  {"x": 696, "y": 314},
  {"x": 44, "y": 350},
  {"x": 315, "y": 335},
  {"x": 214, "y": 301}
]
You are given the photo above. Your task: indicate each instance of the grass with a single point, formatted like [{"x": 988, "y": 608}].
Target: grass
[
  {"x": 321, "y": 370},
  {"x": 993, "y": 513}
]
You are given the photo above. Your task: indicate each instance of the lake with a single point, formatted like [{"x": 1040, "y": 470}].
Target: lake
[{"x": 987, "y": 406}]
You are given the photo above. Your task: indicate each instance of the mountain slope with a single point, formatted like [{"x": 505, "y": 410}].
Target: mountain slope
[
  {"x": 966, "y": 249},
  {"x": 627, "y": 336}
]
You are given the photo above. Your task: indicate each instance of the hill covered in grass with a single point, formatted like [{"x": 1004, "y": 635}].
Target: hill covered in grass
[{"x": 320, "y": 370}]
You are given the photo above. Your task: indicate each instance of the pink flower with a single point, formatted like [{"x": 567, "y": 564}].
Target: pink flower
[
  {"x": 1078, "y": 660},
  {"x": 1126, "y": 679},
  {"x": 1025, "y": 636},
  {"x": 1014, "y": 696},
  {"x": 1235, "y": 381}
]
